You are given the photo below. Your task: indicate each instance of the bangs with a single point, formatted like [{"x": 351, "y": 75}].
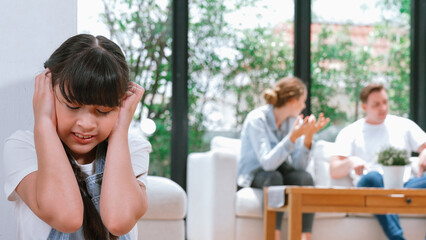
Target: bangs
[{"x": 93, "y": 78}]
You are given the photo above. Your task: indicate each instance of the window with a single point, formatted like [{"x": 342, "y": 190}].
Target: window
[
  {"x": 363, "y": 42},
  {"x": 237, "y": 50}
]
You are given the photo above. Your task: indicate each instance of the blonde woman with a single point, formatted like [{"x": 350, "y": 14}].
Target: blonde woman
[{"x": 276, "y": 141}]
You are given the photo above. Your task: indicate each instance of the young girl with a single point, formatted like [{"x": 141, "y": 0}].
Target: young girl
[
  {"x": 275, "y": 145},
  {"x": 79, "y": 175}
]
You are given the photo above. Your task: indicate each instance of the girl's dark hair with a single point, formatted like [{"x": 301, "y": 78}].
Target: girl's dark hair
[
  {"x": 89, "y": 71},
  {"x": 284, "y": 90}
]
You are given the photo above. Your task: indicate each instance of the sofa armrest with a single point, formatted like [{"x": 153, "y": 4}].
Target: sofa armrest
[
  {"x": 320, "y": 158},
  {"x": 166, "y": 200},
  {"x": 211, "y": 188},
  {"x": 167, "y": 203}
]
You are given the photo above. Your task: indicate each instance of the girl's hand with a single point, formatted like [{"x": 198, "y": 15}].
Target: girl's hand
[
  {"x": 128, "y": 107},
  {"x": 44, "y": 100}
]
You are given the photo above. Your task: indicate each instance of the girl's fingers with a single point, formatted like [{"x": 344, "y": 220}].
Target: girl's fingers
[
  {"x": 44, "y": 98},
  {"x": 43, "y": 81},
  {"x": 48, "y": 77},
  {"x": 132, "y": 96},
  {"x": 129, "y": 104},
  {"x": 127, "y": 94},
  {"x": 135, "y": 88}
]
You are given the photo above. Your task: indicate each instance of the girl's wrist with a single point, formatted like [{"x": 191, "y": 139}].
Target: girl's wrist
[
  {"x": 44, "y": 125},
  {"x": 118, "y": 133}
]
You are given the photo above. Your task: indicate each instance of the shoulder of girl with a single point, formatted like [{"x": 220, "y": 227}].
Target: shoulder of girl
[
  {"x": 22, "y": 135},
  {"x": 138, "y": 140}
]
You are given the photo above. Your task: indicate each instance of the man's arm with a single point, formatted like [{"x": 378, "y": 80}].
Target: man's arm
[{"x": 341, "y": 166}]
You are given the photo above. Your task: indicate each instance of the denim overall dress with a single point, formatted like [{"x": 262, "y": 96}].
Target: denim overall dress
[{"x": 93, "y": 184}]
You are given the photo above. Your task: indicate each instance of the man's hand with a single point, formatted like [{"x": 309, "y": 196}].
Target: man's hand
[{"x": 358, "y": 164}]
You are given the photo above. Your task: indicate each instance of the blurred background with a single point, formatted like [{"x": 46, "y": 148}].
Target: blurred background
[{"x": 238, "y": 48}]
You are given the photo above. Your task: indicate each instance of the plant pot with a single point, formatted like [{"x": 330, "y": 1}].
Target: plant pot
[{"x": 393, "y": 176}]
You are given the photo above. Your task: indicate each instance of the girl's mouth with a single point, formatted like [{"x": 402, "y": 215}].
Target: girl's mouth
[{"x": 82, "y": 138}]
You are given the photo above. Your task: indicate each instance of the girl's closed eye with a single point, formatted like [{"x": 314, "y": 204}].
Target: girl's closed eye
[
  {"x": 72, "y": 106},
  {"x": 104, "y": 110}
]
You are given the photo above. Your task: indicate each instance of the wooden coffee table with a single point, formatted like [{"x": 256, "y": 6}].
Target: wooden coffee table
[{"x": 300, "y": 200}]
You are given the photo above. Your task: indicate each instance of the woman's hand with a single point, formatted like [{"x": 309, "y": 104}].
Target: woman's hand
[
  {"x": 308, "y": 127},
  {"x": 301, "y": 127},
  {"x": 44, "y": 100},
  {"x": 314, "y": 128},
  {"x": 128, "y": 107},
  {"x": 318, "y": 124}
]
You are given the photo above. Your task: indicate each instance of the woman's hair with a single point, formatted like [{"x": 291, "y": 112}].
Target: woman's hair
[
  {"x": 284, "y": 90},
  {"x": 89, "y": 71}
]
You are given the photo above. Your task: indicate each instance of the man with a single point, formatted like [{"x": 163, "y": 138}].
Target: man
[{"x": 357, "y": 146}]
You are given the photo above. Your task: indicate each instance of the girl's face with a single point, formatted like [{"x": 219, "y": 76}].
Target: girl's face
[{"x": 82, "y": 127}]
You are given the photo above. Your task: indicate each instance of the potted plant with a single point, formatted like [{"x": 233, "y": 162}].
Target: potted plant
[{"x": 394, "y": 161}]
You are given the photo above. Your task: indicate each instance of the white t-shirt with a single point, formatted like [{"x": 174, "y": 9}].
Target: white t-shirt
[
  {"x": 20, "y": 160},
  {"x": 365, "y": 140}
]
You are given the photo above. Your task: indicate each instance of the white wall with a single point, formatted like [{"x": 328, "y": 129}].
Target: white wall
[{"x": 29, "y": 32}]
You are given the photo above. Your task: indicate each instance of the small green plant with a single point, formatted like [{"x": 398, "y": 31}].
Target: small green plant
[{"x": 391, "y": 156}]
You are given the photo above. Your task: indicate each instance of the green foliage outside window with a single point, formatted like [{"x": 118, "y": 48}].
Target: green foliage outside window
[{"x": 260, "y": 56}]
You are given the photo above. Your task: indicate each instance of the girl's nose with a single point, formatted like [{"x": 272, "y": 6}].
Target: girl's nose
[{"x": 87, "y": 122}]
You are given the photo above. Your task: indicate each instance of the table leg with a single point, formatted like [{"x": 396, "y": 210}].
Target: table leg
[
  {"x": 294, "y": 217},
  {"x": 269, "y": 218},
  {"x": 269, "y": 225}
]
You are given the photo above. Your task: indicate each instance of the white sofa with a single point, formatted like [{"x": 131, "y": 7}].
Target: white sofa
[
  {"x": 217, "y": 211},
  {"x": 164, "y": 219}
]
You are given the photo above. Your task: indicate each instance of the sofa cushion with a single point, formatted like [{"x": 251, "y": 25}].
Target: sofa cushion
[
  {"x": 320, "y": 157},
  {"x": 166, "y": 199},
  {"x": 249, "y": 203}
]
